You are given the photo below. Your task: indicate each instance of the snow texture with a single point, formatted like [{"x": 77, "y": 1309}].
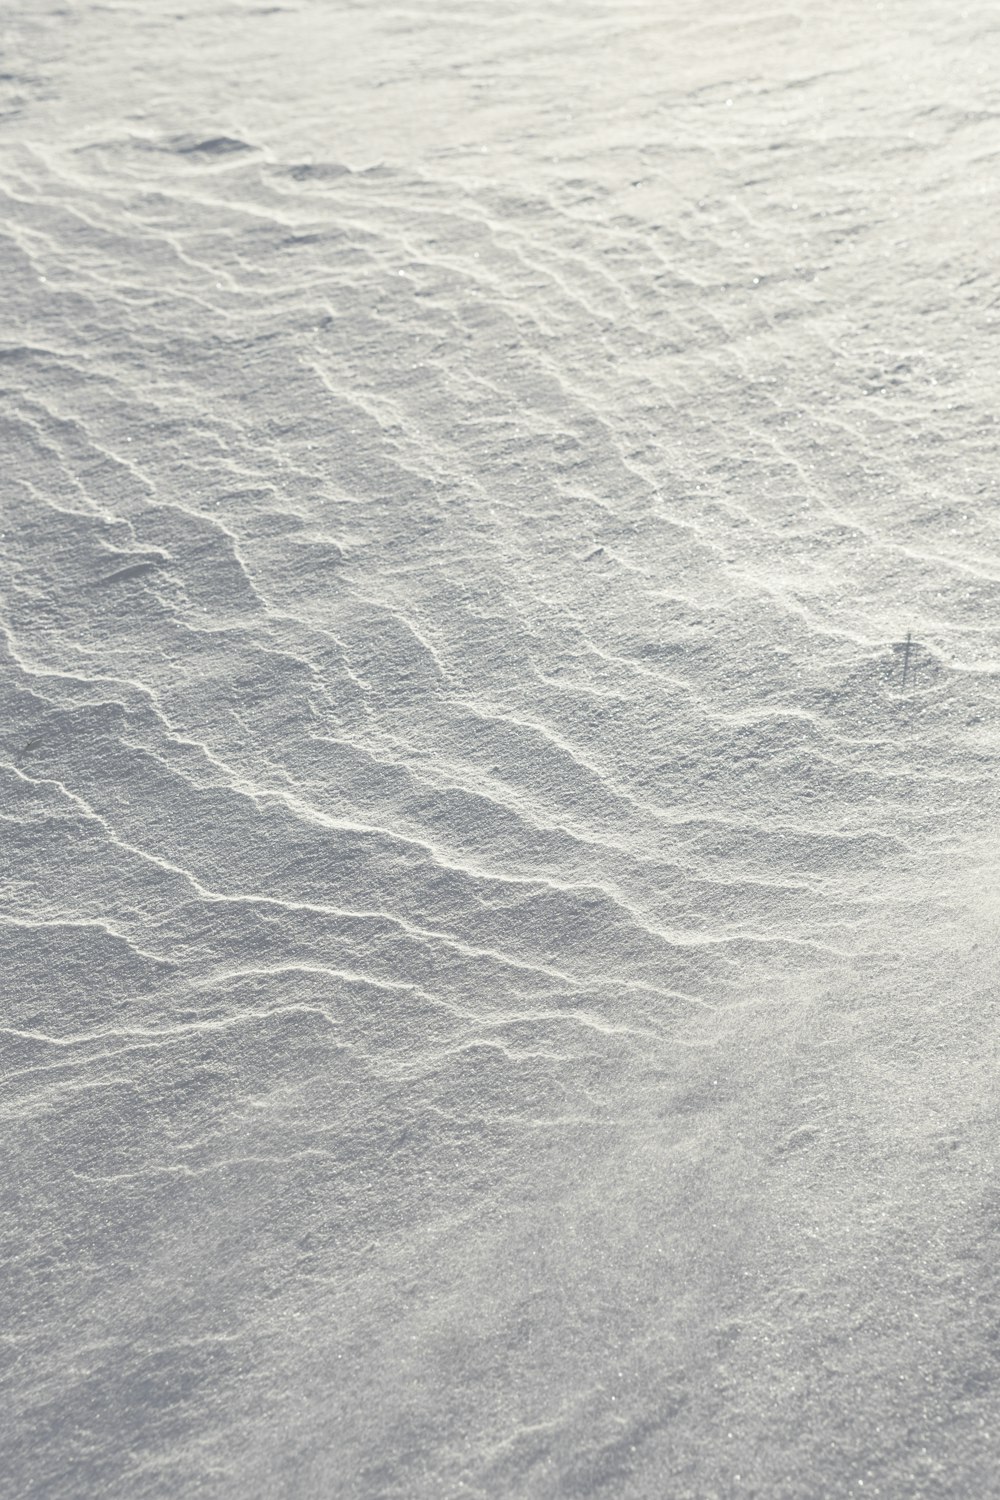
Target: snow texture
[{"x": 499, "y": 647}]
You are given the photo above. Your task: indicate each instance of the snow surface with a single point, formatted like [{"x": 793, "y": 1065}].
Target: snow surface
[{"x": 498, "y": 930}]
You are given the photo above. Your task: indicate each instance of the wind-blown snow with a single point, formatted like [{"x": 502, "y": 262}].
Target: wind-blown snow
[{"x": 498, "y": 926}]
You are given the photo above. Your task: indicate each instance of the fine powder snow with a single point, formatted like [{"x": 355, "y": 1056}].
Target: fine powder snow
[{"x": 499, "y": 724}]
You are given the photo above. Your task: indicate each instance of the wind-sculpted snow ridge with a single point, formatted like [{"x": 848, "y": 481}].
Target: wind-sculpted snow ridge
[{"x": 499, "y": 637}]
